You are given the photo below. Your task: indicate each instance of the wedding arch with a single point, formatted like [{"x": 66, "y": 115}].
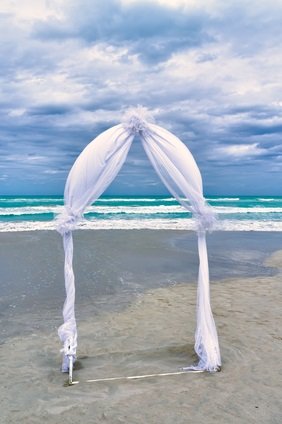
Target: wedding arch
[{"x": 93, "y": 171}]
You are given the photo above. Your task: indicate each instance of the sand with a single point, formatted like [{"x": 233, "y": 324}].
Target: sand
[{"x": 138, "y": 331}]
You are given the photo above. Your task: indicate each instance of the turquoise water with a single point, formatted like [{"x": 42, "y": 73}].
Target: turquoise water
[{"x": 19, "y": 213}]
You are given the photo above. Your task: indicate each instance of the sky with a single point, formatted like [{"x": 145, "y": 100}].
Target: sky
[{"x": 207, "y": 70}]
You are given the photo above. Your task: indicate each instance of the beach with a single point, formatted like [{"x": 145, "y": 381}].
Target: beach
[{"x": 135, "y": 310}]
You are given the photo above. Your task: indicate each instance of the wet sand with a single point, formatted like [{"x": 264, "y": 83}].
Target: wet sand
[{"x": 136, "y": 297}]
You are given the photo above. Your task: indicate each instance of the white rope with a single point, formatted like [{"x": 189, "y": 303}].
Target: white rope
[{"x": 138, "y": 377}]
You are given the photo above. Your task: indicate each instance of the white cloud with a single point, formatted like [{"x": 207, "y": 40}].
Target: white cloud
[
  {"x": 52, "y": 171},
  {"x": 241, "y": 150},
  {"x": 32, "y": 10},
  {"x": 191, "y": 4},
  {"x": 23, "y": 158}
]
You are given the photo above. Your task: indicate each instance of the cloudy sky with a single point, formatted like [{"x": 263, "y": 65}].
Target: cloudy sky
[{"x": 208, "y": 70}]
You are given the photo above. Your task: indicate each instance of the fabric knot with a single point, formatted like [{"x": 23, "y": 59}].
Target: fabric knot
[
  {"x": 66, "y": 221},
  {"x": 136, "y": 120},
  {"x": 67, "y": 330},
  {"x": 70, "y": 346},
  {"x": 206, "y": 218}
]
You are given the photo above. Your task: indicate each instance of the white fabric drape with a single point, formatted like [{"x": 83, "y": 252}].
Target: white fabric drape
[
  {"x": 92, "y": 173},
  {"x": 179, "y": 172}
]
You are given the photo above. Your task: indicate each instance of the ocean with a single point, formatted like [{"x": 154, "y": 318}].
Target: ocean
[{"x": 26, "y": 213}]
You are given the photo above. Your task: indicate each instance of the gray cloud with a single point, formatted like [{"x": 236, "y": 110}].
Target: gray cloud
[
  {"x": 211, "y": 76},
  {"x": 148, "y": 29}
]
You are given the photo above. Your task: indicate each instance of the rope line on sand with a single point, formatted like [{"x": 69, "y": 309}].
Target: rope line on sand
[{"x": 135, "y": 377}]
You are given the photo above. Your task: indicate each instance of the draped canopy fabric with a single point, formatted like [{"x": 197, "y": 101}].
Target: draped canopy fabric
[{"x": 94, "y": 170}]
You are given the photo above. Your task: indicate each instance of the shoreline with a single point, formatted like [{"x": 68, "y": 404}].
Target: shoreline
[{"x": 182, "y": 224}]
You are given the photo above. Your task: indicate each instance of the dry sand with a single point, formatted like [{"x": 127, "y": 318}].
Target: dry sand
[{"x": 153, "y": 334}]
